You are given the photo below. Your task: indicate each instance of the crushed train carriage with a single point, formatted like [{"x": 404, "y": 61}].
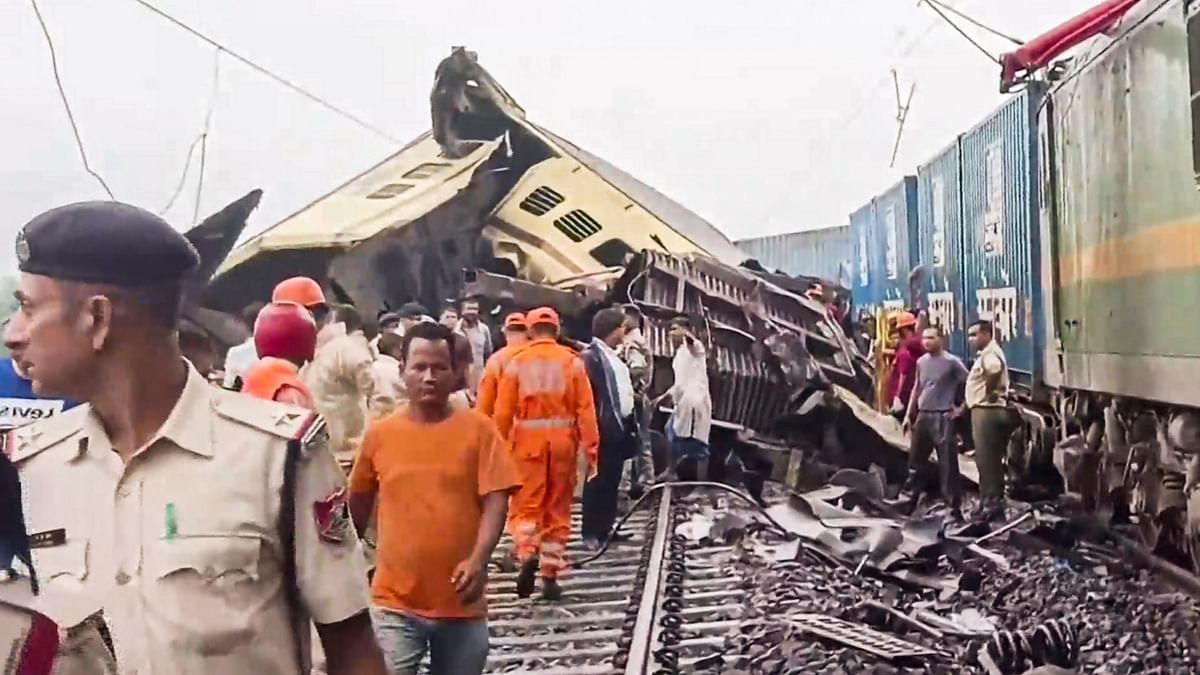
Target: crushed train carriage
[{"x": 490, "y": 205}]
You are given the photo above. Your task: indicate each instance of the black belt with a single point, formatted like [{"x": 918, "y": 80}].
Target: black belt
[{"x": 934, "y": 412}]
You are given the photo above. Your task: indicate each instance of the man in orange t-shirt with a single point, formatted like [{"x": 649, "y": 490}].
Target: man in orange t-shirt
[{"x": 442, "y": 477}]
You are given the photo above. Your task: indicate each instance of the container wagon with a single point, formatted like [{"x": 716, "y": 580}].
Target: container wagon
[
  {"x": 939, "y": 225},
  {"x": 825, "y": 253}
]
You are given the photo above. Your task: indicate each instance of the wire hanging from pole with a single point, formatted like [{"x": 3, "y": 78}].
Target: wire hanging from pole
[
  {"x": 204, "y": 135},
  {"x": 960, "y": 31},
  {"x": 187, "y": 162},
  {"x": 66, "y": 103},
  {"x": 268, "y": 73}
]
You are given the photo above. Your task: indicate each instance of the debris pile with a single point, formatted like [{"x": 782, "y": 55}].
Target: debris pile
[{"x": 932, "y": 598}]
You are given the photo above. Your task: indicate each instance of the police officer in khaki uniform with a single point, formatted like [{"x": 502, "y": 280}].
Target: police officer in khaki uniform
[{"x": 163, "y": 497}]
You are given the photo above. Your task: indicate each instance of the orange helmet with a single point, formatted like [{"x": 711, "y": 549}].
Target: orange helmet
[
  {"x": 285, "y": 330},
  {"x": 542, "y": 315},
  {"x": 515, "y": 321},
  {"x": 300, "y": 290},
  {"x": 905, "y": 320}
]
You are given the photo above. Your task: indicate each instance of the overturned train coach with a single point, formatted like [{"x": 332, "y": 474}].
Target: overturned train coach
[
  {"x": 1070, "y": 218},
  {"x": 535, "y": 220}
]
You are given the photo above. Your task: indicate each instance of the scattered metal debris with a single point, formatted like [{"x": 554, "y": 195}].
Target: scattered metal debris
[{"x": 860, "y": 637}]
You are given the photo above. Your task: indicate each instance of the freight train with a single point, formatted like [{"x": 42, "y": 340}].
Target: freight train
[{"x": 1070, "y": 219}]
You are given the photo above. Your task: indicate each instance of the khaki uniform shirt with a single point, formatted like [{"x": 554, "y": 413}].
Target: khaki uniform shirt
[
  {"x": 988, "y": 364},
  {"x": 181, "y": 546},
  {"x": 342, "y": 381}
]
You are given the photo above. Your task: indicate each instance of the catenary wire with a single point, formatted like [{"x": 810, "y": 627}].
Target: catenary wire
[
  {"x": 187, "y": 161},
  {"x": 263, "y": 70},
  {"x": 66, "y": 103}
]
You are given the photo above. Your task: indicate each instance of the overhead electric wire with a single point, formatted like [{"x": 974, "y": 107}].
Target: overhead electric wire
[
  {"x": 66, "y": 103},
  {"x": 937, "y": 9},
  {"x": 960, "y": 14},
  {"x": 204, "y": 135},
  {"x": 263, "y": 70},
  {"x": 187, "y": 161}
]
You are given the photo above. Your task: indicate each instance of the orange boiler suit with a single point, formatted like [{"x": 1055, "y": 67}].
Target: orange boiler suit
[
  {"x": 489, "y": 385},
  {"x": 544, "y": 408}
]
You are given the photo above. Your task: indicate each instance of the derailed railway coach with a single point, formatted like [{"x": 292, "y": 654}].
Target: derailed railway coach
[
  {"x": 490, "y": 206},
  {"x": 1070, "y": 219}
]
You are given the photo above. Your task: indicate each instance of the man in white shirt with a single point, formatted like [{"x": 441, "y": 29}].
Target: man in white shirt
[
  {"x": 239, "y": 358},
  {"x": 612, "y": 393},
  {"x": 691, "y": 422}
]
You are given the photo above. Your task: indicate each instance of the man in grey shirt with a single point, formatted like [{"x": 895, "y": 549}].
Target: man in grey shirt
[{"x": 931, "y": 410}]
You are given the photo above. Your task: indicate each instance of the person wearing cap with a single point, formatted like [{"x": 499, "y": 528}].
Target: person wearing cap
[
  {"x": 285, "y": 334},
  {"x": 516, "y": 336},
  {"x": 909, "y": 349},
  {"x": 211, "y": 526},
  {"x": 342, "y": 380},
  {"x": 544, "y": 408},
  {"x": 241, "y": 356},
  {"x": 388, "y": 322},
  {"x": 410, "y": 314},
  {"x": 305, "y": 292}
]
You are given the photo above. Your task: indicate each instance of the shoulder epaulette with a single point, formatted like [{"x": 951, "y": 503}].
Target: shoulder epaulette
[
  {"x": 277, "y": 419},
  {"x": 32, "y": 439}
]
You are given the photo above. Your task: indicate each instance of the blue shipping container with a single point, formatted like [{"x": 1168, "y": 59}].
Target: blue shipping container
[
  {"x": 1001, "y": 230},
  {"x": 939, "y": 223},
  {"x": 865, "y": 266},
  {"x": 825, "y": 253},
  {"x": 896, "y": 241}
]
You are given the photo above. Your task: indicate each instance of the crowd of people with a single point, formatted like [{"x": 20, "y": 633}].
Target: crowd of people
[{"x": 201, "y": 519}]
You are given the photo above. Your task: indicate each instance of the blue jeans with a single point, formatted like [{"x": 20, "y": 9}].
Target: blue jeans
[
  {"x": 684, "y": 448},
  {"x": 455, "y": 646}
]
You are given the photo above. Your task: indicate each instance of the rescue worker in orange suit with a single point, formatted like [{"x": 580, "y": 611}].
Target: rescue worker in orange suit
[
  {"x": 516, "y": 335},
  {"x": 544, "y": 408},
  {"x": 285, "y": 336}
]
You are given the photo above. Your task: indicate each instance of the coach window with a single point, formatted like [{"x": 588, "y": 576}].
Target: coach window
[{"x": 1192, "y": 8}]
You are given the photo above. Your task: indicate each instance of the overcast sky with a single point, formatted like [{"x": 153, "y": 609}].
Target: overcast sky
[{"x": 763, "y": 117}]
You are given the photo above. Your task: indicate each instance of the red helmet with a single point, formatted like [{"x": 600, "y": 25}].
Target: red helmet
[
  {"x": 285, "y": 330},
  {"x": 300, "y": 290}
]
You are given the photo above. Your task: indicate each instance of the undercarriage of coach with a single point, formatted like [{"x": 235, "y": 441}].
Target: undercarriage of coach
[{"x": 1138, "y": 464}]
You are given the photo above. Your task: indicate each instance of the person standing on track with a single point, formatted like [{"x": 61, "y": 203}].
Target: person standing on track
[
  {"x": 442, "y": 478},
  {"x": 689, "y": 426},
  {"x": 612, "y": 393},
  {"x": 211, "y": 526},
  {"x": 544, "y": 408},
  {"x": 636, "y": 355},
  {"x": 991, "y": 420},
  {"x": 516, "y": 336},
  {"x": 930, "y": 416}
]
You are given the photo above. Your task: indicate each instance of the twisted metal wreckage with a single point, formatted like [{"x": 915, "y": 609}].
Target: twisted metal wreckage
[{"x": 490, "y": 205}]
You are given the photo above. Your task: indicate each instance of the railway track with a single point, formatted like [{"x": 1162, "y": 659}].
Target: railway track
[{"x": 656, "y": 603}]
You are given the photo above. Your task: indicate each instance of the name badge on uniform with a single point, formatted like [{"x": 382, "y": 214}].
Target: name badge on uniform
[{"x": 48, "y": 539}]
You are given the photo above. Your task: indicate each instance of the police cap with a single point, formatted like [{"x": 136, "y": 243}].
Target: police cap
[{"x": 104, "y": 243}]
